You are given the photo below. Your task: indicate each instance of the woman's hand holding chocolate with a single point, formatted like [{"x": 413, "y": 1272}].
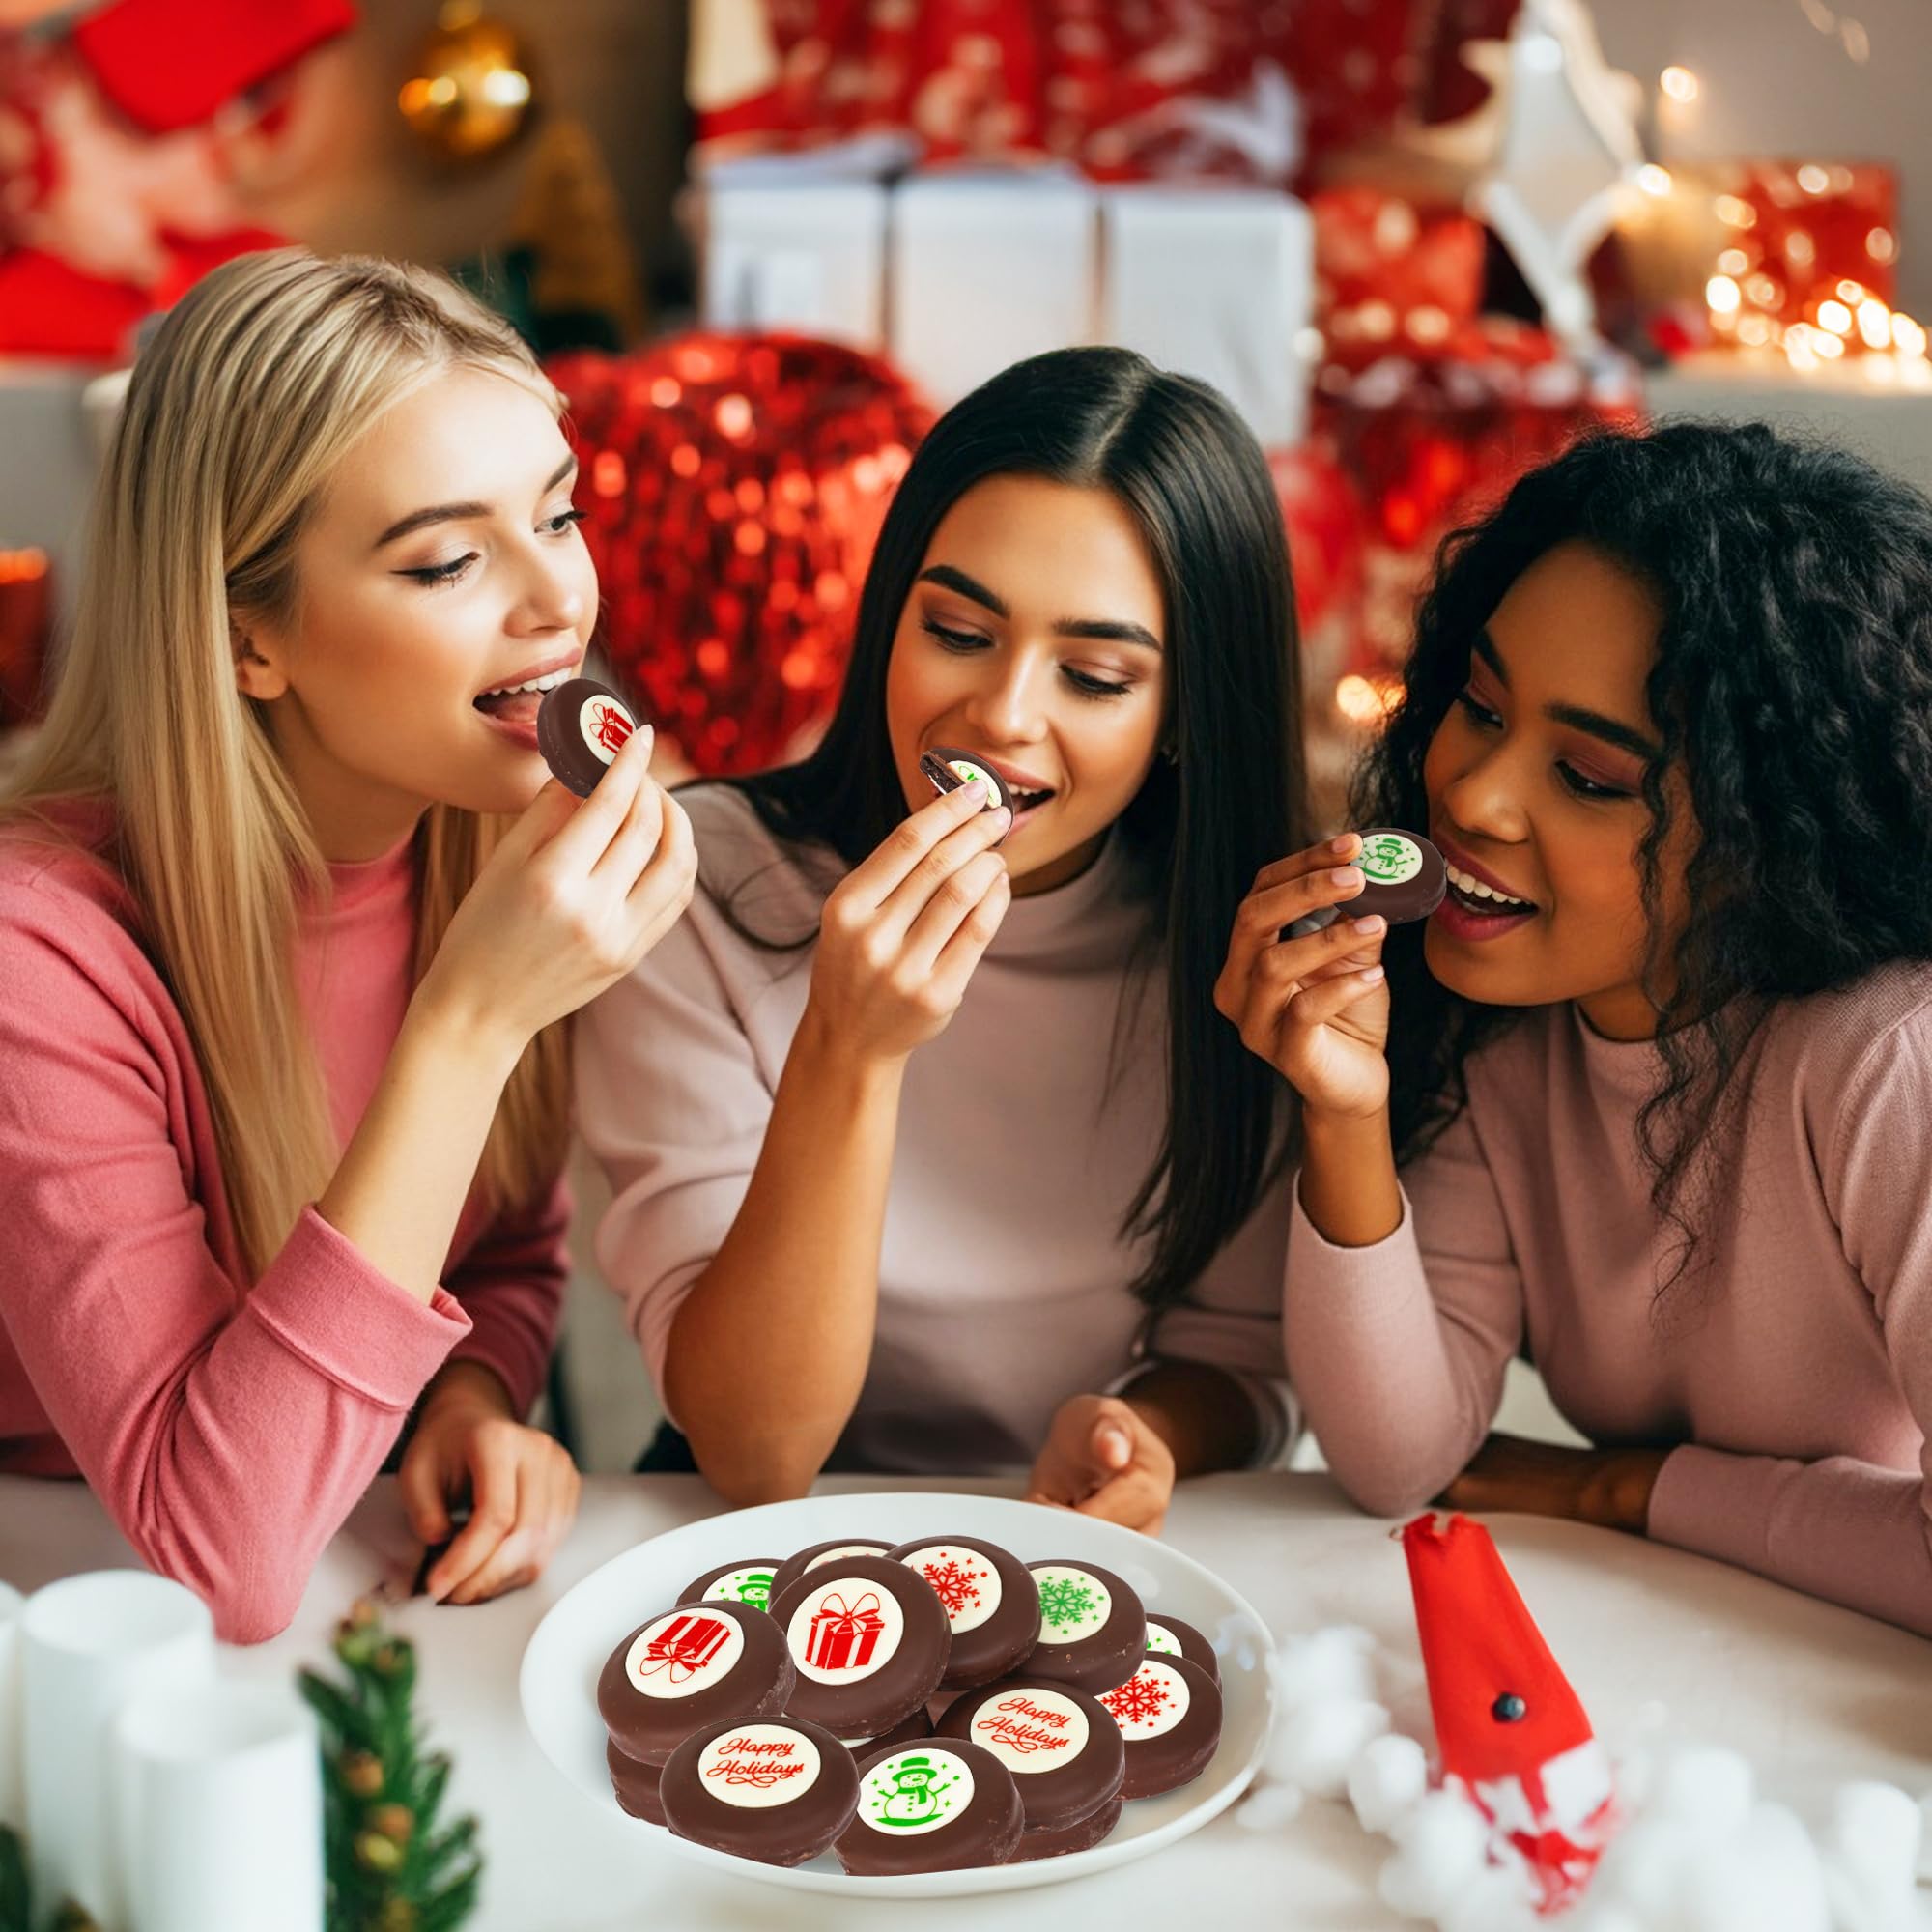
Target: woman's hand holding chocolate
[
  {"x": 903, "y": 930},
  {"x": 572, "y": 899},
  {"x": 1315, "y": 1008}
]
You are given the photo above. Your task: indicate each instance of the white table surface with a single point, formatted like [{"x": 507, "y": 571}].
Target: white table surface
[{"x": 1659, "y": 1645}]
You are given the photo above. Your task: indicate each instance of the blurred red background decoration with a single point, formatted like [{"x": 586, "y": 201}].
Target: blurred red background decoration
[
  {"x": 735, "y": 487},
  {"x": 1220, "y": 89}
]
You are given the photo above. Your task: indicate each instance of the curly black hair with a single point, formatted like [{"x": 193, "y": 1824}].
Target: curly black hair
[{"x": 1793, "y": 680}]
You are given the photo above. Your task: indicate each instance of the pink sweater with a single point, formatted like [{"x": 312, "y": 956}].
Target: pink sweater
[
  {"x": 229, "y": 1428},
  {"x": 1797, "y": 1375},
  {"x": 1003, "y": 1275}
]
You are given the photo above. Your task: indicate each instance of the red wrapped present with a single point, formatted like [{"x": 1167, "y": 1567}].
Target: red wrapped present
[
  {"x": 735, "y": 487},
  {"x": 1432, "y": 444},
  {"x": 685, "y": 1647},
  {"x": 1391, "y": 277},
  {"x": 1804, "y": 244},
  {"x": 843, "y": 1636},
  {"x": 1217, "y": 89}
]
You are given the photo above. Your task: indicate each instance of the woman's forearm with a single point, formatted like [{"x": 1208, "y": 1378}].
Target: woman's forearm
[
  {"x": 769, "y": 1350},
  {"x": 1349, "y": 1187},
  {"x": 398, "y": 1190},
  {"x": 1199, "y": 1411}
]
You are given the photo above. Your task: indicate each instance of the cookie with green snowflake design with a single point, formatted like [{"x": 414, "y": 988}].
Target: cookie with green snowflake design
[{"x": 1093, "y": 1628}]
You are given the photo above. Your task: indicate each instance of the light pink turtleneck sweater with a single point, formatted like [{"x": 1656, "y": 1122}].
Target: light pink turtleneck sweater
[
  {"x": 228, "y": 1429},
  {"x": 1796, "y": 1373},
  {"x": 1003, "y": 1275}
]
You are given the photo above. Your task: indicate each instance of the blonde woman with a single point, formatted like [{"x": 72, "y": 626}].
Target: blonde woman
[{"x": 290, "y": 920}]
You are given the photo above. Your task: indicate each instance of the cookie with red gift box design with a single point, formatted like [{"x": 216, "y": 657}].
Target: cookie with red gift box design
[
  {"x": 1168, "y": 1637},
  {"x": 1169, "y": 1712},
  {"x": 868, "y": 1639},
  {"x": 990, "y": 1603},
  {"x": 698, "y": 1664},
  {"x": 1063, "y": 1746},
  {"x": 581, "y": 726},
  {"x": 1093, "y": 1629},
  {"x": 814, "y": 1553},
  {"x": 778, "y": 1791}
]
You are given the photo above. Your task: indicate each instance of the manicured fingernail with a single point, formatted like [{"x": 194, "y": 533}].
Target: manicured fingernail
[
  {"x": 1340, "y": 845},
  {"x": 1003, "y": 817},
  {"x": 1373, "y": 974},
  {"x": 1345, "y": 875},
  {"x": 1372, "y": 923}
]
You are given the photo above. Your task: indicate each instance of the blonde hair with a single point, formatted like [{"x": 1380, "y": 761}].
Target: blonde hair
[{"x": 235, "y": 418}]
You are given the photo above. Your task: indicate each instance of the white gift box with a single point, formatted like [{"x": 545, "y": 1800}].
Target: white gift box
[
  {"x": 1217, "y": 283},
  {"x": 987, "y": 269},
  {"x": 800, "y": 255}
]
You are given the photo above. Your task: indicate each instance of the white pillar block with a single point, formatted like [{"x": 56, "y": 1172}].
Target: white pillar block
[
  {"x": 1217, "y": 283},
  {"x": 987, "y": 269}
]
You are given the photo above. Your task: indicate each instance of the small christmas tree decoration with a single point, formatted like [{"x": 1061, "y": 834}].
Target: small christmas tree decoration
[{"x": 390, "y": 1865}]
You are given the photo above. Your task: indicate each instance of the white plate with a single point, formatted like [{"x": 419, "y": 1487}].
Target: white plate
[{"x": 559, "y": 1681}]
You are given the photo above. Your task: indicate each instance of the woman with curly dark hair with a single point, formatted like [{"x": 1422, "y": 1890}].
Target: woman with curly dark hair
[{"x": 1657, "y": 1074}]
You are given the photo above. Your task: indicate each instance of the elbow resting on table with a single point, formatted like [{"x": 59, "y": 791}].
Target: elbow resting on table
[
  {"x": 1379, "y": 1490},
  {"x": 250, "y": 1603}
]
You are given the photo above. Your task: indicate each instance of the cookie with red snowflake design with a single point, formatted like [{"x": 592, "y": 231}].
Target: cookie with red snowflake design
[
  {"x": 990, "y": 1603},
  {"x": 1169, "y": 1713}
]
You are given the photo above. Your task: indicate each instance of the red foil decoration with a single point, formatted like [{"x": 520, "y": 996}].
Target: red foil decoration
[{"x": 735, "y": 487}]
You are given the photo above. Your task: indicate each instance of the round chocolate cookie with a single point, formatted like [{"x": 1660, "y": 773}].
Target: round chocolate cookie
[
  {"x": 779, "y": 1790},
  {"x": 580, "y": 728},
  {"x": 1092, "y": 1630},
  {"x": 868, "y": 1639},
  {"x": 705, "y": 1663},
  {"x": 635, "y": 1785},
  {"x": 1063, "y": 1746},
  {"x": 1168, "y": 1637},
  {"x": 937, "y": 1807},
  {"x": 748, "y": 1580},
  {"x": 1404, "y": 879},
  {"x": 990, "y": 1603},
  {"x": 1082, "y": 1836},
  {"x": 814, "y": 1553},
  {"x": 1169, "y": 1712},
  {"x": 918, "y": 1725},
  {"x": 946, "y": 769}
]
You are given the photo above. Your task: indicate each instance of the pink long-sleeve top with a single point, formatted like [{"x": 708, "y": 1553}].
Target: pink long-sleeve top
[
  {"x": 1023, "y": 1130},
  {"x": 228, "y": 1426},
  {"x": 1795, "y": 1370}
]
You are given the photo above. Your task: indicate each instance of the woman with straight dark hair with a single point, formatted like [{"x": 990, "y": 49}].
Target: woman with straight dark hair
[
  {"x": 924, "y": 1134},
  {"x": 1658, "y": 1071}
]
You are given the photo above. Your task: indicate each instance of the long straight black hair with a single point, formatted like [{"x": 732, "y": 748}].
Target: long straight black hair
[{"x": 1231, "y": 798}]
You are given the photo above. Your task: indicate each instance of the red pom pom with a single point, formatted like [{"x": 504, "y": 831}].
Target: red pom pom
[{"x": 735, "y": 487}]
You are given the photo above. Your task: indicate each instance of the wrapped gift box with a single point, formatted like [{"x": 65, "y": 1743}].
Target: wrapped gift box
[
  {"x": 808, "y": 256},
  {"x": 1217, "y": 283},
  {"x": 843, "y": 1636},
  {"x": 986, "y": 268}
]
